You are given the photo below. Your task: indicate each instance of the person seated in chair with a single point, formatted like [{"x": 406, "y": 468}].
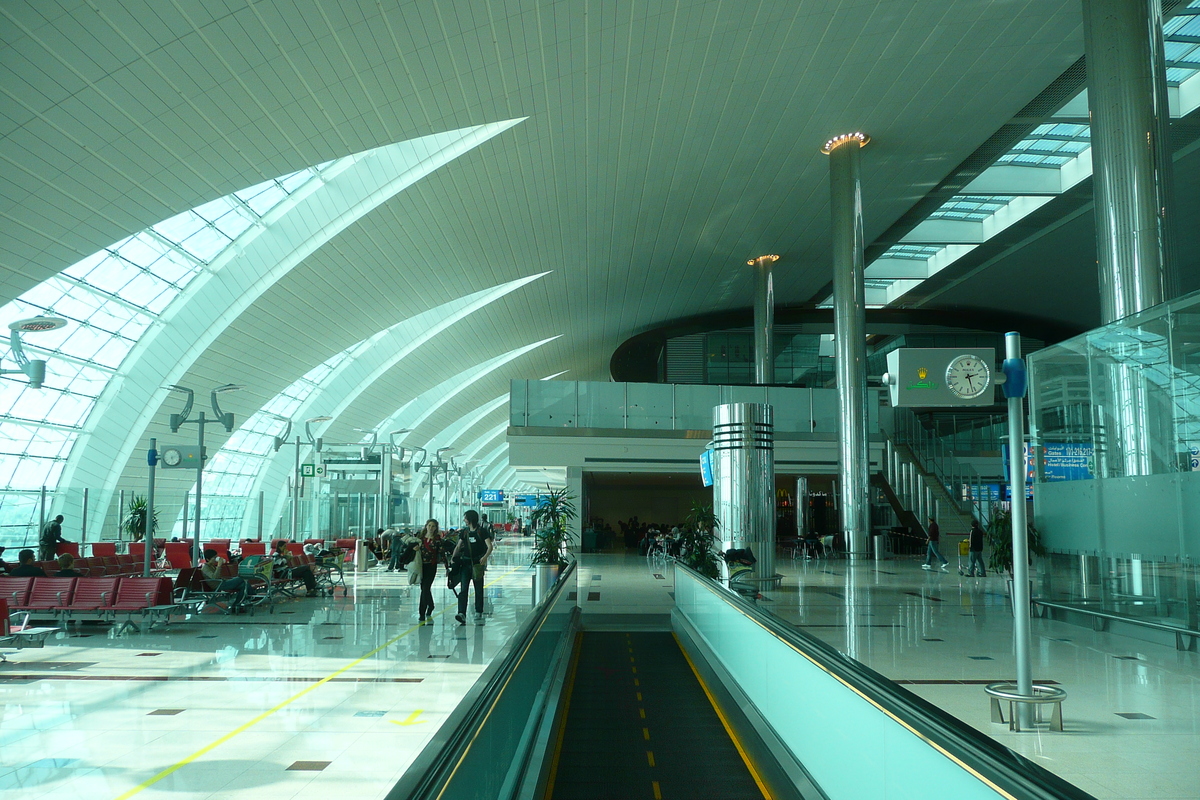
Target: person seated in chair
[
  {"x": 284, "y": 568},
  {"x": 211, "y": 571},
  {"x": 25, "y": 567},
  {"x": 66, "y": 567}
]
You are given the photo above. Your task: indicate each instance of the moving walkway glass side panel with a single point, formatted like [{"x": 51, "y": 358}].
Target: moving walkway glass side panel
[
  {"x": 855, "y": 732},
  {"x": 487, "y": 752}
]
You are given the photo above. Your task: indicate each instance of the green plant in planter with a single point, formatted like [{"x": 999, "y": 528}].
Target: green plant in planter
[
  {"x": 698, "y": 539},
  {"x": 998, "y": 537},
  {"x": 551, "y": 520},
  {"x": 134, "y": 522}
]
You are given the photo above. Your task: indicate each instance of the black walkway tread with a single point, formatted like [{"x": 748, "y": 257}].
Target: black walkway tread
[{"x": 640, "y": 726}]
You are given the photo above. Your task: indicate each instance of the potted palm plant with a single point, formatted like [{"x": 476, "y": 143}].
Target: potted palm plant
[
  {"x": 698, "y": 539},
  {"x": 134, "y": 522},
  {"x": 999, "y": 540},
  {"x": 551, "y": 521}
]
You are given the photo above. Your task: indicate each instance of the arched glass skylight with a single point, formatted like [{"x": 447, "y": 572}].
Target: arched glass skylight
[{"x": 110, "y": 299}]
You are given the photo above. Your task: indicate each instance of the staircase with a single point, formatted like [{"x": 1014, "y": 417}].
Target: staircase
[{"x": 920, "y": 474}]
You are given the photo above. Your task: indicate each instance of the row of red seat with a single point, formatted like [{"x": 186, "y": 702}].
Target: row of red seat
[{"x": 93, "y": 596}]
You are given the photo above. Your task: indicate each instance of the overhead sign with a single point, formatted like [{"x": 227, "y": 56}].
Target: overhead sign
[
  {"x": 917, "y": 376},
  {"x": 312, "y": 470},
  {"x": 527, "y": 500},
  {"x": 706, "y": 467},
  {"x": 491, "y": 495}
]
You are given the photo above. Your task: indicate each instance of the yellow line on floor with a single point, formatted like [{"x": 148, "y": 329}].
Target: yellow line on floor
[
  {"x": 657, "y": 793},
  {"x": 246, "y": 726},
  {"x": 562, "y": 723},
  {"x": 650, "y": 757}
]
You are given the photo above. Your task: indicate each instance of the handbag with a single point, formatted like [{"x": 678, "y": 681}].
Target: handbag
[{"x": 414, "y": 572}]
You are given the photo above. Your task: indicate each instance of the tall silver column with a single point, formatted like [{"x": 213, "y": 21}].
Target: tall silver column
[
  {"x": 1131, "y": 178},
  {"x": 850, "y": 343},
  {"x": 801, "y": 507},
  {"x": 764, "y": 319},
  {"x": 744, "y": 480},
  {"x": 1132, "y": 187}
]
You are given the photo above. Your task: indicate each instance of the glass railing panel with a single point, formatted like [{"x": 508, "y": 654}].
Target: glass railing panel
[
  {"x": 825, "y": 412},
  {"x": 651, "y": 406},
  {"x": 518, "y": 403},
  {"x": 792, "y": 408},
  {"x": 831, "y": 711},
  {"x": 552, "y": 404},
  {"x": 500, "y": 723},
  {"x": 601, "y": 405},
  {"x": 693, "y": 406}
]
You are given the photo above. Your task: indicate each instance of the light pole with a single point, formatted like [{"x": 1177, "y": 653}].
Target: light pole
[
  {"x": 181, "y": 419},
  {"x": 316, "y": 445},
  {"x": 433, "y": 467},
  {"x": 33, "y": 369}
]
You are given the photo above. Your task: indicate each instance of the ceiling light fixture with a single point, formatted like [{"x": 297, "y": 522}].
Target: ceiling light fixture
[
  {"x": 838, "y": 141},
  {"x": 768, "y": 259}
]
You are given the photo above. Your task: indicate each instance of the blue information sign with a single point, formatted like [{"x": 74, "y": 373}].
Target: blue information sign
[
  {"x": 706, "y": 467},
  {"x": 527, "y": 500},
  {"x": 491, "y": 495}
]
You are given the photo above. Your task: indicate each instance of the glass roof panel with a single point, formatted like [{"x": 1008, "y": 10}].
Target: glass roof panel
[
  {"x": 918, "y": 252},
  {"x": 110, "y": 298},
  {"x": 974, "y": 208}
]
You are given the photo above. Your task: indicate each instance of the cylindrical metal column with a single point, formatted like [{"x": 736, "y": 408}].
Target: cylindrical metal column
[
  {"x": 187, "y": 496},
  {"x": 764, "y": 319},
  {"x": 850, "y": 343},
  {"x": 744, "y": 480},
  {"x": 83, "y": 519},
  {"x": 1020, "y": 541},
  {"x": 262, "y": 499},
  {"x": 801, "y": 507},
  {"x": 121, "y": 515},
  {"x": 199, "y": 484},
  {"x": 148, "y": 528},
  {"x": 1131, "y": 163}
]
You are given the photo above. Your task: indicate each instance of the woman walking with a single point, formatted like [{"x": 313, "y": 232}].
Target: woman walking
[{"x": 428, "y": 551}]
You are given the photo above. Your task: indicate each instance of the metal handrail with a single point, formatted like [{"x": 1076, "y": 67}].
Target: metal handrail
[{"x": 938, "y": 461}]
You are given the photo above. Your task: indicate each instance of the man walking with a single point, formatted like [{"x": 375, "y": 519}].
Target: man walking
[
  {"x": 51, "y": 536},
  {"x": 975, "y": 552},
  {"x": 470, "y": 559},
  {"x": 933, "y": 534}
]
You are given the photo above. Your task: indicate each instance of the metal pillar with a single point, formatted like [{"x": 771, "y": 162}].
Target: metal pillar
[
  {"x": 148, "y": 528},
  {"x": 295, "y": 493},
  {"x": 41, "y": 515},
  {"x": 199, "y": 484},
  {"x": 83, "y": 519},
  {"x": 764, "y": 319},
  {"x": 744, "y": 480},
  {"x": 120, "y": 514},
  {"x": 186, "y": 506},
  {"x": 850, "y": 345},
  {"x": 801, "y": 507},
  {"x": 1020, "y": 598},
  {"x": 262, "y": 499},
  {"x": 1131, "y": 177}
]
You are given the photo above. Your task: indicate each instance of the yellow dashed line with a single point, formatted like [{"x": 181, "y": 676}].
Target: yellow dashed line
[
  {"x": 650, "y": 757},
  {"x": 639, "y": 696},
  {"x": 636, "y": 682},
  {"x": 657, "y": 793},
  {"x": 646, "y": 734},
  {"x": 642, "y": 713}
]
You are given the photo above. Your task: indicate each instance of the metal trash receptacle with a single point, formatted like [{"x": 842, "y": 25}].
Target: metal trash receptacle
[{"x": 883, "y": 546}]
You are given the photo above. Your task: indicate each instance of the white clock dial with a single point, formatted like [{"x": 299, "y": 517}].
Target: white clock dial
[
  {"x": 968, "y": 377},
  {"x": 171, "y": 457}
]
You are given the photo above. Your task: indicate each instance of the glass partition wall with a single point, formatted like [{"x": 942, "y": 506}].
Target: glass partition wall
[{"x": 1115, "y": 458}]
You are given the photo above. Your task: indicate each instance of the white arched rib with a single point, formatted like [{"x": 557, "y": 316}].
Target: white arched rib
[{"x": 216, "y": 298}]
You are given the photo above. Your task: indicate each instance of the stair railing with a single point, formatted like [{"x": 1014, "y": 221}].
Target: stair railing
[{"x": 961, "y": 482}]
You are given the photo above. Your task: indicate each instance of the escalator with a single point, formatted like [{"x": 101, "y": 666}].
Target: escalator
[{"x": 638, "y": 724}]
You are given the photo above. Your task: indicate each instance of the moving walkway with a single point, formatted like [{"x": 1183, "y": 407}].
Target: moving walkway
[{"x": 729, "y": 703}]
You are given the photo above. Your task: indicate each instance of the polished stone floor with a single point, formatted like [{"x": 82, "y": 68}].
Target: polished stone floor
[
  {"x": 321, "y": 698},
  {"x": 338, "y": 696},
  {"x": 1132, "y": 715}
]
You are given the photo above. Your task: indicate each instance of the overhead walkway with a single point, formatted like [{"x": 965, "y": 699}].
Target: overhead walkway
[{"x": 732, "y": 703}]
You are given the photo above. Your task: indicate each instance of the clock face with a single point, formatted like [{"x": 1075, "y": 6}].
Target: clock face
[
  {"x": 171, "y": 457},
  {"x": 968, "y": 377}
]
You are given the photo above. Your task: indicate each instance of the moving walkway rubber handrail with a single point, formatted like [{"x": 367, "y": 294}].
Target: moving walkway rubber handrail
[
  {"x": 434, "y": 768},
  {"x": 1011, "y": 772}
]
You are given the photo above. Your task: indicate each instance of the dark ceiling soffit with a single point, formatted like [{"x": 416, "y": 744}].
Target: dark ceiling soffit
[
  {"x": 636, "y": 359},
  {"x": 1184, "y": 134}
]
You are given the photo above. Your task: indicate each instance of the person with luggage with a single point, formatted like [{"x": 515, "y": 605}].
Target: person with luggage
[
  {"x": 975, "y": 551},
  {"x": 50, "y": 539},
  {"x": 429, "y": 551}
]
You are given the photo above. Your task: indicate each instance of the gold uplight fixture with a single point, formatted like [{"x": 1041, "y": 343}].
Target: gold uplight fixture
[
  {"x": 768, "y": 259},
  {"x": 838, "y": 141}
]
